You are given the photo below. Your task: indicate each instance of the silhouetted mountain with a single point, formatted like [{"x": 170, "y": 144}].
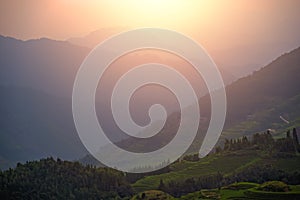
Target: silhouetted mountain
[
  {"x": 95, "y": 37},
  {"x": 266, "y": 88},
  {"x": 273, "y": 92},
  {"x": 36, "y": 85},
  {"x": 34, "y": 125},
  {"x": 36, "y": 82},
  {"x": 41, "y": 64},
  {"x": 254, "y": 103}
]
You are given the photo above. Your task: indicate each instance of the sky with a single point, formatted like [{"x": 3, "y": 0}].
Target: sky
[
  {"x": 219, "y": 25},
  {"x": 61, "y": 19}
]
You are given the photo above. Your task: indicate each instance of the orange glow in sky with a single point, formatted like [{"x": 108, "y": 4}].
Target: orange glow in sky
[
  {"x": 231, "y": 30},
  {"x": 61, "y": 19}
]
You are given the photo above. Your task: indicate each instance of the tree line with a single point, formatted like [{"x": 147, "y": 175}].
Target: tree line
[
  {"x": 57, "y": 179},
  {"x": 266, "y": 142}
]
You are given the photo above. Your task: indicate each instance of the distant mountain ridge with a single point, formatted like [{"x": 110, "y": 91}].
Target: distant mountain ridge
[
  {"x": 271, "y": 92},
  {"x": 261, "y": 95},
  {"x": 36, "y": 85},
  {"x": 266, "y": 88},
  {"x": 36, "y": 82},
  {"x": 33, "y": 125},
  {"x": 95, "y": 37},
  {"x": 41, "y": 64},
  {"x": 255, "y": 104}
]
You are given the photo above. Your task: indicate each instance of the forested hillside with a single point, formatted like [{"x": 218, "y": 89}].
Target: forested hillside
[
  {"x": 258, "y": 158},
  {"x": 264, "y": 96},
  {"x": 62, "y": 180}
]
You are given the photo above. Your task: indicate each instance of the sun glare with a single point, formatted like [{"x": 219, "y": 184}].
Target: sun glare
[
  {"x": 172, "y": 14},
  {"x": 165, "y": 13}
]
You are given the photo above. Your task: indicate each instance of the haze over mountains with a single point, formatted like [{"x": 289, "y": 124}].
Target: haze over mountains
[
  {"x": 254, "y": 104},
  {"x": 238, "y": 60},
  {"x": 36, "y": 84},
  {"x": 43, "y": 64}
]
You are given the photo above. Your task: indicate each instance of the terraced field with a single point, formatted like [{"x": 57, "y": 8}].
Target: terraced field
[
  {"x": 225, "y": 164},
  {"x": 237, "y": 191}
]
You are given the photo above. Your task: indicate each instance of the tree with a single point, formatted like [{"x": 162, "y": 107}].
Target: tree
[
  {"x": 218, "y": 149},
  {"x": 288, "y": 134},
  {"x": 143, "y": 195},
  {"x": 226, "y": 145},
  {"x": 245, "y": 141},
  {"x": 295, "y": 136},
  {"x": 296, "y": 140},
  {"x": 161, "y": 185}
]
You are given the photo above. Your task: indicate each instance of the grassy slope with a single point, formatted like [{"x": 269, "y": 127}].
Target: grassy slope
[
  {"x": 152, "y": 195},
  {"x": 262, "y": 120},
  {"x": 253, "y": 193},
  {"x": 244, "y": 194},
  {"x": 269, "y": 118},
  {"x": 246, "y": 191},
  {"x": 225, "y": 163}
]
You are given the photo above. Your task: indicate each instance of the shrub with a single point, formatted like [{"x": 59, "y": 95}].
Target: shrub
[
  {"x": 274, "y": 186},
  {"x": 240, "y": 186}
]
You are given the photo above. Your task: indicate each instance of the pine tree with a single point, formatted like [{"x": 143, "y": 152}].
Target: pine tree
[
  {"x": 161, "y": 185},
  {"x": 226, "y": 145},
  {"x": 295, "y": 136},
  {"x": 296, "y": 140},
  {"x": 288, "y": 134}
]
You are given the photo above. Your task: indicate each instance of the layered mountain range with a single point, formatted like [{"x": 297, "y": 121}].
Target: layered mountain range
[{"x": 36, "y": 82}]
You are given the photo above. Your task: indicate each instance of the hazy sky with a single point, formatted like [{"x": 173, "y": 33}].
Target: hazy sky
[
  {"x": 209, "y": 19},
  {"x": 227, "y": 28}
]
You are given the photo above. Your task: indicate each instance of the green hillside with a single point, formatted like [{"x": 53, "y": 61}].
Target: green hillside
[
  {"x": 258, "y": 159},
  {"x": 269, "y": 119},
  {"x": 255, "y": 103},
  {"x": 226, "y": 164},
  {"x": 209, "y": 165},
  {"x": 236, "y": 191},
  {"x": 244, "y": 190},
  {"x": 220, "y": 175},
  {"x": 58, "y": 179}
]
